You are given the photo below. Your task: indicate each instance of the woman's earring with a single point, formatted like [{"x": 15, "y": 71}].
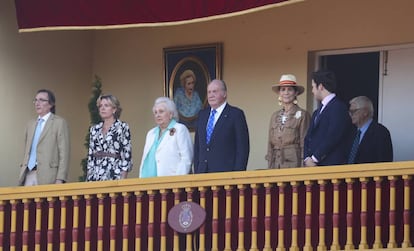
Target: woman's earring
[
  {"x": 280, "y": 100},
  {"x": 295, "y": 101}
]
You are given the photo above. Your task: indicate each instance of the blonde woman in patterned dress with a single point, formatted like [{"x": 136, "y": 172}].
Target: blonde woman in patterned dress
[
  {"x": 109, "y": 155},
  {"x": 288, "y": 126}
]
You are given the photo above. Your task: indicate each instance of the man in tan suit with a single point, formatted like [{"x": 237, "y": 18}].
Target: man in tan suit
[{"x": 47, "y": 147}]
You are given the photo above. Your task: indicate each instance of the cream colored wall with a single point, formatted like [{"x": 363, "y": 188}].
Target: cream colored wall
[
  {"x": 258, "y": 48},
  {"x": 60, "y": 61}
]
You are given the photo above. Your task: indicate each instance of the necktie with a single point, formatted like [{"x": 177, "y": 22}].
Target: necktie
[
  {"x": 210, "y": 125},
  {"x": 318, "y": 112},
  {"x": 354, "y": 149},
  {"x": 32, "y": 157}
]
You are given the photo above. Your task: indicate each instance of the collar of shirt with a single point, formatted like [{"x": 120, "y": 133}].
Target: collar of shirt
[
  {"x": 327, "y": 99},
  {"x": 45, "y": 118},
  {"x": 219, "y": 110},
  {"x": 364, "y": 129}
]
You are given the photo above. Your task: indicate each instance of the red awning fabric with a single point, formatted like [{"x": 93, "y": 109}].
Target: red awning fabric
[{"x": 35, "y": 15}]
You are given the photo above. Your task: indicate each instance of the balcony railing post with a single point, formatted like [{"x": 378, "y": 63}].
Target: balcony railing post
[
  {"x": 62, "y": 231},
  {"x": 214, "y": 244},
  {"x": 227, "y": 226},
  {"x": 75, "y": 223},
  {"x": 138, "y": 214},
  {"x": 202, "y": 237},
  {"x": 241, "y": 220},
  {"x": 406, "y": 242},
  {"x": 112, "y": 234},
  {"x": 377, "y": 241},
  {"x": 176, "y": 192},
  {"x": 163, "y": 225},
  {"x": 281, "y": 217},
  {"x": 322, "y": 216},
  {"x": 125, "y": 220},
  {"x": 335, "y": 215},
  {"x": 38, "y": 232},
  {"x": 349, "y": 214},
  {"x": 26, "y": 204},
  {"x": 268, "y": 216},
  {"x": 364, "y": 201},
  {"x": 391, "y": 241},
  {"x": 308, "y": 216}
]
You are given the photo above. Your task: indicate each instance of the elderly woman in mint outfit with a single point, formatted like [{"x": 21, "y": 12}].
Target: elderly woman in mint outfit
[{"x": 168, "y": 147}]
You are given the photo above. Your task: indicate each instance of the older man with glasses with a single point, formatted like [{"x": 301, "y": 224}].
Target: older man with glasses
[
  {"x": 47, "y": 147},
  {"x": 370, "y": 141}
]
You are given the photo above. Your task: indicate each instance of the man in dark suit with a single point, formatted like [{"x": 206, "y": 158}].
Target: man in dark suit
[
  {"x": 222, "y": 137},
  {"x": 47, "y": 148},
  {"x": 330, "y": 124},
  {"x": 373, "y": 144}
]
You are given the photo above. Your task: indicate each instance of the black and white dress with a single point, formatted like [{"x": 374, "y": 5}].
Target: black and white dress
[{"x": 109, "y": 154}]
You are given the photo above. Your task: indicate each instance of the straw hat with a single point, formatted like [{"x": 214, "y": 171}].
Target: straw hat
[{"x": 288, "y": 80}]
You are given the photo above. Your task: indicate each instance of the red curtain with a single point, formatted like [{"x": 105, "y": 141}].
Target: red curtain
[{"x": 90, "y": 14}]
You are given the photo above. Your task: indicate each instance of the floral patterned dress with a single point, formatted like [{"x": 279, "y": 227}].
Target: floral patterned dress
[
  {"x": 286, "y": 138},
  {"x": 109, "y": 154}
]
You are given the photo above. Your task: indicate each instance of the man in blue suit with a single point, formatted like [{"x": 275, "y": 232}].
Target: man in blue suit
[
  {"x": 325, "y": 140},
  {"x": 374, "y": 140},
  {"x": 221, "y": 141}
]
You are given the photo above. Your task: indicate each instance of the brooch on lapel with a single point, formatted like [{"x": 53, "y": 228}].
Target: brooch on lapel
[{"x": 172, "y": 131}]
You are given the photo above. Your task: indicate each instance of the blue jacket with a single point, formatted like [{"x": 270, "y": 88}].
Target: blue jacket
[
  {"x": 326, "y": 138},
  {"x": 229, "y": 147}
]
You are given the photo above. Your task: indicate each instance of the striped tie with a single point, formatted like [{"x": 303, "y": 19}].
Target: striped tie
[
  {"x": 354, "y": 149},
  {"x": 210, "y": 125}
]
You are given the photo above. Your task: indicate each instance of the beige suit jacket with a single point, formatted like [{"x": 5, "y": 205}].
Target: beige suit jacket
[{"x": 53, "y": 151}]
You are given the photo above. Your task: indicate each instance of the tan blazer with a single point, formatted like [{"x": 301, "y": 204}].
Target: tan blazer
[{"x": 53, "y": 151}]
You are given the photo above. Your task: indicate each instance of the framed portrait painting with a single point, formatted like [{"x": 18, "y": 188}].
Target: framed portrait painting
[{"x": 187, "y": 71}]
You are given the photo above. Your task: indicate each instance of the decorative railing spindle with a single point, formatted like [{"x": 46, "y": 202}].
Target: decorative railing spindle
[
  {"x": 406, "y": 214},
  {"x": 227, "y": 226},
  {"x": 163, "y": 223},
  {"x": 349, "y": 214},
  {"x": 253, "y": 246},
  {"x": 364, "y": 201},
  {"x": 335, "y": 215},
  {"x": 112, "y": 228},
  {"x": 88, "y": 222},
  {"x": 214, "y": 244},
  {"x": 13, "y": 204},
  {"x": 75, "y": 222},
  {"x": 63, "y": 216},
  {"x": 176, "y": 192},
  {"x": 294, "y": 221},
  {"x": 240, "y": 224},
  {"x": 377, "y": 241},
  {"x": 189, "y": 236},
  {"x": 391, "y": 241},
  {"x": 26, "y": 204},
  {"x": 322, "y": 205},
  {"x": 268, "y": 216},
  {"x": 138, "y": 213},
  {"x": 38, "y": 232},
  {"x": 125, "y": 221},
  {"x": 281, "y": 218},
  {"x": 101, "y": 217},
  {"x": 308, "y": 217},
  {"x": 151, "y": 212}
]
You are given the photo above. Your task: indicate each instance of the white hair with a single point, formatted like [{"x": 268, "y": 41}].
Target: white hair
[{"x": 169, "y": 104}]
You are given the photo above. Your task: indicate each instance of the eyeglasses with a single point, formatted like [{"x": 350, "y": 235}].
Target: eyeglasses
[
  {"x": 40, "y": 100},
  {"x": 353, "y": 111}
]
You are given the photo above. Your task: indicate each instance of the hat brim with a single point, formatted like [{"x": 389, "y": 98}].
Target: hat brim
[{"x": 299, "y": 88}]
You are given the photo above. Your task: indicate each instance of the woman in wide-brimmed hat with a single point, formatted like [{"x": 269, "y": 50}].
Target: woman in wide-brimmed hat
[{"x": 288, "y": 126}]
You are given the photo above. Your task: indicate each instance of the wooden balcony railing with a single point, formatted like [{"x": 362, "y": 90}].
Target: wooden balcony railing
[{"x": 345, "y": 207}]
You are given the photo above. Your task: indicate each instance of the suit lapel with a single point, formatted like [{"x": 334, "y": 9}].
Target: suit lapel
[{"x": 47, "y": 127}]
